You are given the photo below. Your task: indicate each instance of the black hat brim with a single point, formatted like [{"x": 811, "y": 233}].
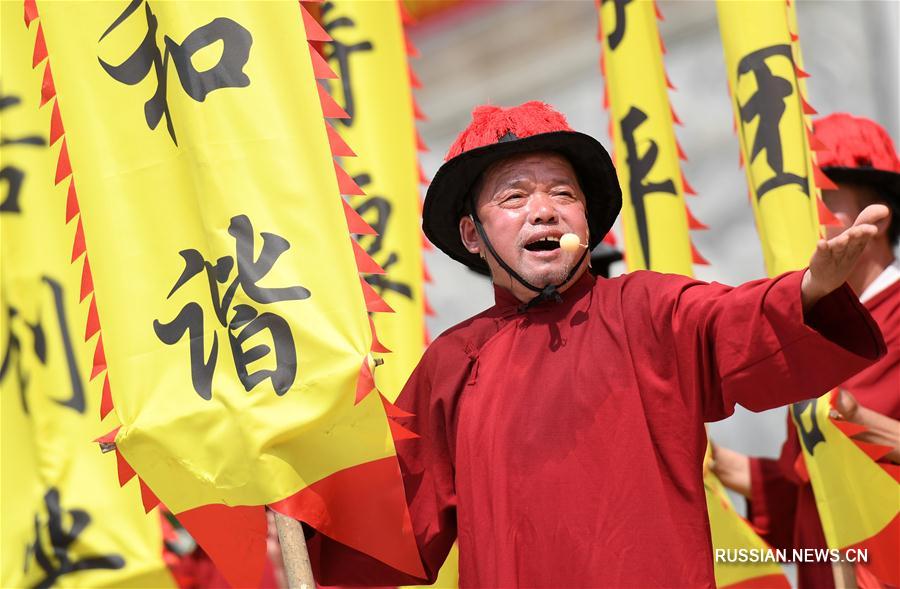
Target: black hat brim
[
  {"x": 886, "y": 183},
  {"x": 445, "y": 201}
]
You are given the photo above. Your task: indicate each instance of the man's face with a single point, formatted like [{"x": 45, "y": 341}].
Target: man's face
[{"x": 526, "y": 203}]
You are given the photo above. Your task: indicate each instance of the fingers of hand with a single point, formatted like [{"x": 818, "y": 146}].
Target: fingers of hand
[{"x": 871, "y": 214}]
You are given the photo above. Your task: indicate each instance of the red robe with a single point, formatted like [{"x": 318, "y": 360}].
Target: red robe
[
  {"x": 566, "y": 443},
  {"x": 782, "y": 505}
]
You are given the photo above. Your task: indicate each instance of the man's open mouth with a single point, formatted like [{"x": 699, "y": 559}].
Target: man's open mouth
[{"x": 544, "y": 244}]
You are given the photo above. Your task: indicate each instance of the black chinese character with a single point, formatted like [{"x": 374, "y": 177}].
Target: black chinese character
[
  {"x": 382, "y": 209},
  {"x": 638, "y": 168},
  {"x": 58, "y": 562},
  {"x": 246, "y": 321},
  {"x": 340, "y": 52},
  {"x": 13, "y": 175},
  {"x": 809, "y": 437},
  {"x": 227, "y": 73},
  {"x": 767, "y": 106},
  {"x": 616, "y": 36},
  {"x": 12, "y": 358}
]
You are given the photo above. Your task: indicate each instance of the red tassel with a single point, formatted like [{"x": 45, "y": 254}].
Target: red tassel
[
  {"x": 126, "y": 473},
  {"x": 426, "y": 245},
  {"x": 417, "y": 112},
  {"x": 420, "y": 145},
  {"x": 688, "y": 189},
  {"x": 392, "y": 410},
  {"x": 875, "y": 451},
  {"x": 398, "y": 432},
  {"x": 659, "y": 15},
  {"x": 807, "y": 109},
  {"x": 794, "y": 38},
  {"x": 346, "y": 185},
  {"x": 30, "y": 12},
  {"x": 426, "y": 306},
  {"x": 93, "y": 320},
  {"x": 675, "y": 118},
  {"x": 374, "y": 303},
  {"x": 48, "y": 89},
  {"x": 800, "y": 73},
  {"x": 63, "y": 166},
  {"x": 106, "y": 404},
  {"x": 71, "y": 202},
  {"x": 815, "y": 143},
  {"x": 56, "y": 126},
  {"x": 364, "y": 262},
  {"x": 87, "y": 281},
  {"x": 314, "y": 31},
  {"x": 148, "y": 498},
  {"x": 426, "y": 275},
  {"x": 826, "y": 217},
  {"x": 411, "y": 49},
  {"x": 339, "y": 147},
  {"x": 377, "y": 346},
  {"x": 693, "y": 223},
  {"x": 426, "y": 337},
  {"x": 662, "y": 45},
  {"x": 108, "y": 438},
  {"x": 741, "y": 158},
  {"x": 355, "y": 223},
  {"x": 697, "y": 258},
  {"x": 605, "y": 97},
  {"x": 321, "y": 69},
  {"x": 669, "y": 83},
  {"x": 330, "y": 108},
  {"x": 99, "y": 358},
  {"x": 849, "y": 429},
  {"x": 405, "y": 17},
  {"x": 40, "y": 48},
  {"x": 365, "y": 382},
  {"x": 823, "y": 181},
  {"x": 423, "y": 179},
  {"x": 78, "y": 242},
  {"x": 681, "y": 154},
  {"x": 414, "y": 80}
]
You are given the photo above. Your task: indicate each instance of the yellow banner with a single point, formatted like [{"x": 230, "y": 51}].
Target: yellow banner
[
  {"x": 66, "y": 523},
  {"x": 227, "y": 289},
  {"x": 769, "y": 110},
  {"x": 368, "y": 52},
  {"x": 857, "y": 500},
  {"x": 732, "y": 532},
  {"x": 654, "y": 215}
]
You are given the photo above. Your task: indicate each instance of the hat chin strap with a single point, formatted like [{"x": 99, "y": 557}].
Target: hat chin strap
[{"x": 547, "y": 293}]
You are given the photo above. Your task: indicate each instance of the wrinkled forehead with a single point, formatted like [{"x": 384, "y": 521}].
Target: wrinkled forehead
[{"x": 547, "y": 166}]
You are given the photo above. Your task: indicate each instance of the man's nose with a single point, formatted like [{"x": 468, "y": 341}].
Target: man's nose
[{"x": 542, "y": 210}]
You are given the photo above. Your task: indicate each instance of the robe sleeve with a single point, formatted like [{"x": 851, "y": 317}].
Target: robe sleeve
[
  {"x": 426, "y": 463},
  {"x": 752, "y": 344}
]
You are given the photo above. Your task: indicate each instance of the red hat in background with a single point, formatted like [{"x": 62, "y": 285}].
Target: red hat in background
[
  {"x": 859, "y": 151},
  {"x": 496, "y": 133}
]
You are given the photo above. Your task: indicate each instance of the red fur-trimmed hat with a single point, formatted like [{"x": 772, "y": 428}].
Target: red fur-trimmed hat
[
  {"x": 859, "y": 151},
  {"x": 497, "y": 133}
]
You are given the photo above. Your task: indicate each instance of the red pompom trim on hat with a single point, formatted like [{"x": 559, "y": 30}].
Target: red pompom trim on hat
[{"x": 490, "y": 123}]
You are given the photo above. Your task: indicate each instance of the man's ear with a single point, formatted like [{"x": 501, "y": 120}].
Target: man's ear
[{"x": 469, "y": 235}]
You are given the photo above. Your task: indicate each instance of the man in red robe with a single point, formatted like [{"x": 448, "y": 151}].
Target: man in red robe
[
  {"x": 862, "y": 160},
  {"x": 562, "y": 430}
]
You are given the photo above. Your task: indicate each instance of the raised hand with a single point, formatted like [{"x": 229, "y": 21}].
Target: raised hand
[{"x": 835, "y": 258}]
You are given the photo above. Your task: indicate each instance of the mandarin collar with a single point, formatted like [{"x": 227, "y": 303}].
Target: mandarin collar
[{"x": 505, "y": 301}]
